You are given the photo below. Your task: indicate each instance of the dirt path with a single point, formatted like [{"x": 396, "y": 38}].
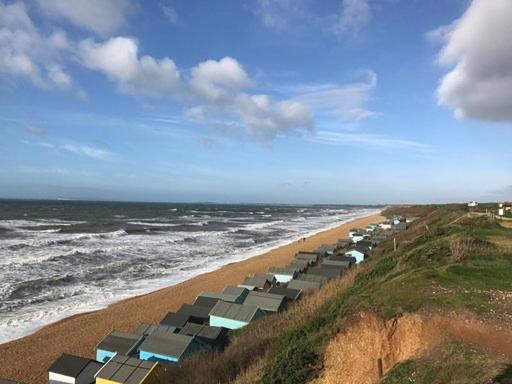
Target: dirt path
[{"x": 351, "y": 357}]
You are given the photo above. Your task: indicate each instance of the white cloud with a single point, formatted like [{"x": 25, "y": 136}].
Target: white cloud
[
  {"x": 265, "y": 120},
  {"x": 478, "y": 46},
  {"x": 170, "y": 13},
  {"x": 99, "y": 16},
  {"x": 118, "y": 59},
  {"x": 276, "y": 13},
  {"x": 354, "y": 15},
  {"x": 217, "y": 81},
  {"x": 196, "y": 114},
  {"x": 27, "y": 53},
  {"x": 348, "y": 102},
  {"x": 367, "y": 140},
  {"x": 97, "y": 153}
]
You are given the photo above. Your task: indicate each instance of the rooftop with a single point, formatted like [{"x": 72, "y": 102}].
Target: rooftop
[
  {"x": 170, "y": 344},
  {"x": 120, "y": 342},
  {"x": 69, "y": 365},
  {"x": 234, "y": 311},
  {"x": 125, "y": 370},
  {"x": 266, "y": 301}
]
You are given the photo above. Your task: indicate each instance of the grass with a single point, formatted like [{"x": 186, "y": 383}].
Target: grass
[{"x": 452, "y": 363}]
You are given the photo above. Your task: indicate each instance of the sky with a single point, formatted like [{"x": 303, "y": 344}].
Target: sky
[{"x": 268, "y": 101}]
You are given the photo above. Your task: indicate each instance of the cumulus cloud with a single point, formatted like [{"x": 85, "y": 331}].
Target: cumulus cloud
[
  {"x": 478, "y": 48},
  {"x": 99, "y": 16},
  {"x": 217, "y": 81},
  {"x": 27, "y": 53},
  {"x": 354, "y": 15},
  {"x": 348, "y": 102},
  {"x": 118, "y": 59}
]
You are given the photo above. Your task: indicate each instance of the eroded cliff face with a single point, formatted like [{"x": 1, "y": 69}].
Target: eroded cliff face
[{"x": 352, "y": 356}]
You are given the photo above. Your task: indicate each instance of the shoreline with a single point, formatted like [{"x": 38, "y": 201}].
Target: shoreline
[{"x": 79, "y": 333}]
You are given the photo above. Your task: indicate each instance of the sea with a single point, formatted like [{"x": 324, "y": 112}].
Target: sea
[{"x": 60, "y": 258}]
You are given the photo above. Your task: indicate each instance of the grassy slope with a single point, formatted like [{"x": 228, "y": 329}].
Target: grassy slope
[{"x": 445, "y": 261}]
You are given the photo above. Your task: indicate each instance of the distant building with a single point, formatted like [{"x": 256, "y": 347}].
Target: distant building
[
  {"x": 69, "y": 369},
  {"x": 505, "y": 209},
  {"x": 472, "y": 204}
]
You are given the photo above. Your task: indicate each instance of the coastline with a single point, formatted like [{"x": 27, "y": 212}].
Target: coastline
[{"x": 27, "y": 358}]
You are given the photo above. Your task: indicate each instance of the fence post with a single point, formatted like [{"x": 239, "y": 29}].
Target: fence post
[{"x": 381, "y": 369}]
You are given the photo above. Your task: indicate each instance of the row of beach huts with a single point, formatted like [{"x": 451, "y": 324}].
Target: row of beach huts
[{"x": 135, "y": 357}]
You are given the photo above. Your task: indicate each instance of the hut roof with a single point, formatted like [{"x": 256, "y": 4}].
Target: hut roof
[
  {"x": 258, "y": 281},
  {"x": 301, "y": 264},
  {"x": 170, "y": 344},
  {"x": 338, "y": 263},
  {"x": 266, "y": 301},
  {"x": 126, "y": 370},
  {"x": 147, "y": 329},
  {"x": 291, "y": 271},
  {"x": 327, "y": 272},
  {"x": 208, "y": 302},
  {"x": 204, "y": 332},
  {"x": 121, "y": 342},
  {"x": 308, "y": 256},
  {"x": 69, "y": 365},
  {"x": 313, "y": 278},
  {"x": 350, "y": 259},
  {"x": 288, "y": 293},
  {"x": 234, "y": 311},
  {"x": 303, "y": 285}
]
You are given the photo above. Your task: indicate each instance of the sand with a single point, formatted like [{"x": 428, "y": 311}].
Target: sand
[{"x": 28, "y": 358}]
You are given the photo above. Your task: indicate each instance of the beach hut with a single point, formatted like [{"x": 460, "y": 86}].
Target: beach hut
[
  {"x": 231, "y": 294},
  {"x": 123, "y": 343},
  {"x": 147, "y": 329},
  {"x": 343, "y": 243},
  {"x": 310, "y": 257},
  {"x": 267, "y": 302},
  {"x": 284, "y": 275},
  {"x": 301, "y": 265},
  {"x": 212, "y": 336},
  {"x": 349, "y": 259},
  {"x": 315, "y": 278},
  {"x": 233, "y": 316},
  {"x": 304, "y": 285},
  {"x": 288, "y": 293},
  {"x": 366, "y": 243},
  {"x": 168, "y": 347},
  {"x": 262, "y": 282},
  {"x": 327, "y": 249},
  {"x": 330, "y": 273},
  {"x": 358, "y": 237},
  {"x": 358, "y": 253},
  {"x": 337, "y": 263},
  {"x": 127, "y": 370},
  {"x": 208, "y": 302},
  {"x": 69, "y": 369},
  {"x": 188, "y": 313}
]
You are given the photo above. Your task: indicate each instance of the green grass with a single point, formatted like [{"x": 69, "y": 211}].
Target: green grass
[{"x": 454, "y": 363}]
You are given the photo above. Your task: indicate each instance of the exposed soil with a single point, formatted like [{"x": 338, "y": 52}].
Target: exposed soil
[{"x": 352, "y": 356}]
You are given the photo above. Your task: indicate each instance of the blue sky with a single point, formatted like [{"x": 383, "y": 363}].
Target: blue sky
[{"x": 279, "y": 101}]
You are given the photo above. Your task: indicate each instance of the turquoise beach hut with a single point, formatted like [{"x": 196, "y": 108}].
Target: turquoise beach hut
[
  {"x": 168, "y": 347},
  {"x": 123, "y": 343},
  {"x": 233, "y": 316}
]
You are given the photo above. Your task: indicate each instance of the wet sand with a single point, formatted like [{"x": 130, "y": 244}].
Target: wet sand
[{"x": 28, "y": 358}]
